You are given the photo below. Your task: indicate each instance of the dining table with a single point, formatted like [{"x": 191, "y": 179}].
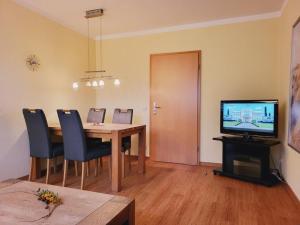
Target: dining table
[{"x": 114, "y": 132}]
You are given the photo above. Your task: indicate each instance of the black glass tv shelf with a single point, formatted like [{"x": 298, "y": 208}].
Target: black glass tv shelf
[{"x": 247, "y": 159}]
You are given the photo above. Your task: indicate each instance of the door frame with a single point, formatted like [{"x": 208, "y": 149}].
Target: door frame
[{"x": 198, "y": 98}]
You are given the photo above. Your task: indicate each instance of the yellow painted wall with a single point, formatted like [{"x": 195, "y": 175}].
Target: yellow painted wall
[
  {"x": 290, "y": 158},
  {"x": 63, "y": 57},
  {"x": 239, "y": 61}
]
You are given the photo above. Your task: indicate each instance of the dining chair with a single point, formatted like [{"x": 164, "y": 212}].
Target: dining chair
[
  {"x": 40, "y": 142},
  {"x": 124, "y": 116},
  {"x": 76, "y": 146},
  {"x": 96, "y": 116}
]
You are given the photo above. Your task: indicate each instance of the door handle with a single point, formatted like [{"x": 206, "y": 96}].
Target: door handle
[{"x": 155, "y": 107}]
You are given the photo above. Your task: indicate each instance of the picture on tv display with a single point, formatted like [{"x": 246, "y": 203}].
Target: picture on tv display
[{"x": 256, "y": 117}]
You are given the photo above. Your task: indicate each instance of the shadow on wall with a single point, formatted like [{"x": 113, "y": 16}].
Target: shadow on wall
[
  {"x": 277, "y": 153},
  {"x": 14, "y": 160},
  {"x": 14, "y": 150}
]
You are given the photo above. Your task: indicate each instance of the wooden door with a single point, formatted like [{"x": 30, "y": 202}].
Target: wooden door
[{"x": 174, "y": 111}]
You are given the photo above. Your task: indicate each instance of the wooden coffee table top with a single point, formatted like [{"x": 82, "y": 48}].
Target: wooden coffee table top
[{"x": 19, "y": 206}]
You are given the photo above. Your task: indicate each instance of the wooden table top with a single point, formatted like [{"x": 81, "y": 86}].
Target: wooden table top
[
  {"x": 102, "y": 127},
  {"x": 19, "y": 205}
]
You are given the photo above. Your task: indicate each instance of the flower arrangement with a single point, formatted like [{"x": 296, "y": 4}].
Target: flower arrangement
[
  {"x": 51, "y": 200},
  {"x": 49, "y": 197}
]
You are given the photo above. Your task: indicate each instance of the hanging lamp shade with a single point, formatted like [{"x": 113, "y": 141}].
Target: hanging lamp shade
[{"x": 94, "y": 77}]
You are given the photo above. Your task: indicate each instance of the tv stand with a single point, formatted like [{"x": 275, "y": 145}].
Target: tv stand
[
  {"x": 247, "y": 137},
  {"x": 247, "y": 158}
]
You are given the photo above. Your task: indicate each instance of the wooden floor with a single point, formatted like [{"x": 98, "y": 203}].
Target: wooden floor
[{"x": 172, "y": 194}]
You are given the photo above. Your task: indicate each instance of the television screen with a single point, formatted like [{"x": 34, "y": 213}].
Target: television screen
[{"x": 249, "y": 117}]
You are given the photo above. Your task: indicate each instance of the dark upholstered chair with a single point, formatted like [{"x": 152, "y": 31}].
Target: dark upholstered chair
[
  {"x": 96, "y": 115},
  {"x": 39, "y": 139},
  {"x": 124, "y": 116},
  {"x": 76, "y": 146}
]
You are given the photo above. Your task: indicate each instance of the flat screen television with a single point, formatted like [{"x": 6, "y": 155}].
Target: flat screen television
[{"x": 249, "y": 117}]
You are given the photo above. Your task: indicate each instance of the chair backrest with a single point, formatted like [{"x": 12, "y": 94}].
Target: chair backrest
[
  {"x": 123, "y": 116},
  {"x": 38, "y": 133},
  {"x": 96, "y": 115},
  {"x": 75, "y": 147}
]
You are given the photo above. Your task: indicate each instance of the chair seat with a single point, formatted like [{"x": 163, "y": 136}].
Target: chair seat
[
  {"x": 126, "y": 143},
  {"x": 98, "y": 150},
  {"x": 57, "y": 149},
  {"x": 93, "y": 141}
]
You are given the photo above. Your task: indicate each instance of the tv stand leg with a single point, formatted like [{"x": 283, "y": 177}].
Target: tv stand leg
[
  {"x": 217, "y": 171},
  {"x": 265, "y": 165}
]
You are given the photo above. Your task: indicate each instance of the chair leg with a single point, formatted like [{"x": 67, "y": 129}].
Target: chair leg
[
  {"x": 76, "y": 168},
  {"x": 101, "y": 162},
  {"x": 83, "y": 165},
  {"x": 123, "y": 164},
  {"x": 109, "y": 166},
  {"x": 48, "y": 171},
  {"x": 129, "y": 159},
  {"x": 88, "y": 168},
  {"x": 66, "y": 162},
  {"x": 96, "y": 167},
  {"x": 30, "y": 170},
  {"x": 55, "y": 164}
]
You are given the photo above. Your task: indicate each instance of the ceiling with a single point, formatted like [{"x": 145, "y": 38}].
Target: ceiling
[{"x": 123, "y": 16}]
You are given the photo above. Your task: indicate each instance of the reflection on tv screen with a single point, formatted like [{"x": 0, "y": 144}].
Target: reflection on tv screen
[{"x": 249, "y": 117}]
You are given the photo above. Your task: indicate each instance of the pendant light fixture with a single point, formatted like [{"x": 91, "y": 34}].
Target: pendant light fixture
[{"x": 95, "y": 77}]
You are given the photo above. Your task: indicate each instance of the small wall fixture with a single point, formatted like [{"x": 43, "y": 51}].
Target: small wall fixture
[{"x": 32, "y": 62}]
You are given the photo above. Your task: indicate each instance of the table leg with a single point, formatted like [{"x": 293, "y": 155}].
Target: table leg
[
  {"x": 142, "y": 151},
  {"x": 116, "y": 162},
  {"x": 131, "y": 217},
  {"x": 36, "y": 169}
]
